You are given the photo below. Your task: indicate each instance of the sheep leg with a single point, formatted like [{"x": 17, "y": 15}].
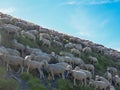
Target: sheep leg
[
  {"x": 49, "y": 76},
  {"x": 18, "y": 71},
  {"x": 75, "y": 82},
  {"x": 7, "y": 67},
  {"x": 22, "y": 68},
  {"x": 85, "y": 81},
  {"x": 63, "y": 76},
  {"x": 52, "y": 76},
  {"x": 28, "y": 69},
  {"x": 41, "y": 74}
]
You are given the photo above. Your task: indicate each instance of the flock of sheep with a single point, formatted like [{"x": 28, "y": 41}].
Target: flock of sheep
[{"x": 69, "y": 63}]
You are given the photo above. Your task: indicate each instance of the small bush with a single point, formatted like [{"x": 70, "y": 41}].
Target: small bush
[
  {"x": 3, "y": 72},
  {"x": 8, "y": 84},
  {"x": 64, "y": 85},
  {"x": 26, "y": 76},
  {"x": 35, "y": 84},
  {"x": 84, "y": 87}
]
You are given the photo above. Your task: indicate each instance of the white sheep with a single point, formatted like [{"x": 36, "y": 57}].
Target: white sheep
[
  {"x": 100, "y": 78},
  {"x": 4, "y": 20},
  {"x": 116, "y": 80},
  {"x": 98, "y": 85},
  {"x": 13, "y": 52},
  {"x": 18, "y": 46},
  {"x": 68, "y": 59},
  {"x": 93, "y": 60},
  {"x": 41, "y": 57},
  {"x": 34, "y": 32},
  {"x": 79, "y": 75},
  {"x": 108, "y": 76},
  {"x": 87, "y": 50},
  {"x": 112, "y": 88},
  {"x": 57, "y": 43},
  {"x": 60, "y": 58},
  {"x": 45, "y": 41},
  {"x": 45, "y": 35},
  {"x": 54, "y": 69},
  {"x": 13, "y": 60},
  {"x": 77, "y": 61},
  {"x": 88, "y": 67},
  {"x": 69, "y": 45},
  {"x": 113, "y": 70},
  {"x": 11, "y": 29},
  {"x": 29, "y": 35},
  {"x": 75, "y": 51},
  {"x": 78, "y": 46},
  {"x": 35, "y": 51},
  {"x": 88, "y": 73},
  {"x": 34, "y": 65}
]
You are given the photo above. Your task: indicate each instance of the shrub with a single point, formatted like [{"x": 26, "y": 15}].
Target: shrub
[
  {"x": 64, "y": 85},
  {"x": 35, "y": 84},
  {"x": 8, "y": 84},
  {"x": 3, "y": 72},
  {"x": 26, "y": 76}
]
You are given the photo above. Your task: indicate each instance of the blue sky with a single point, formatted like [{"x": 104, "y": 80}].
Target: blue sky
[{"x": 95, "y": 20}]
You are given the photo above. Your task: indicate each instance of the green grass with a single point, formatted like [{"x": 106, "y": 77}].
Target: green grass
[
  {"x": 6, "y": 39},
  {"x": 26, "y": 76},
  {"x": 3, "y": 72},
  {"x": 25, "y": 41},
  {"x": 35, "y": 84},
  {"x": 8, "y": 84}
]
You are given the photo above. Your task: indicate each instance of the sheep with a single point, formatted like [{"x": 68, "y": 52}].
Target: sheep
[
  {"x": 77, "y": 75},
  {"x": 63, "y": 64},
  {"x": 108, "y": 76},
  {"x": 77, "y": 61},
  {"x": 116, "y": 80},
  {"x": 34, "y": 32},
  {"x": 69, "y": 45},
  {"x": 13, "y": 60},
  {"x": 4, "y": 20},
  {"x": 93, "y": 60},
  {"x": 45, "y": 35},
  {"x": 56, "y": 38},
  {"x": 45, "y": 41},
  {"x": 55, "y": 69},
  {"x": 88, "y": 73},
  {"x": 35, "y": 51},
  {"x": 60, "y": 58},
  {"x": 18, "y": 46},
  {"x": 98, "y": 85},
  {"x": 57, "y": 43},
  {"x": 68, "y": 59},
  {"x": 113, "y": 70},
  {"x": 13, "y": 52},
  {"x": 88, "y": 67},
  {"x": 3, "y": 50},
  {"x": 29, "y": 35},
  {"x": 112, "y": 88},
  {"x": 11, "y": 29},
  {"x": 34, "y": 65},
  {"x": 78, "y": 46},
  {"x": 100, "y": 78},
  {"x": 87, "y": 50},
  {"x": 75, "y": 51},
  {"x": 41, "y": 57}
]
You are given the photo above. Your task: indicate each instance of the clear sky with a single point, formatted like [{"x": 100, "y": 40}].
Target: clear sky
[{"x": 95, "y": 20}]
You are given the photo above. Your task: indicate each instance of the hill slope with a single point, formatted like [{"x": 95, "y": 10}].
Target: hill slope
[{"x": 32, "y": 36}]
